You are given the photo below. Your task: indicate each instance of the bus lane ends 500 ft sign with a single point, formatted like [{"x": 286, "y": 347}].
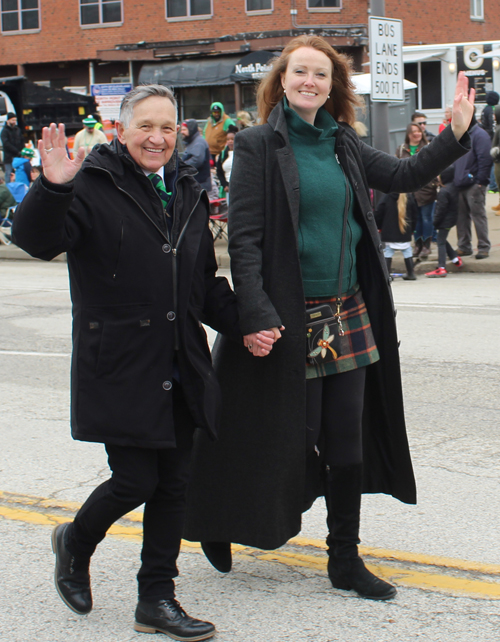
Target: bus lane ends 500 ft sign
[{"x": 386, "y": 59}]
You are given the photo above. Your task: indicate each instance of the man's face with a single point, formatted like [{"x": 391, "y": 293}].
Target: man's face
[
  {"x": 184, "y": 131},
  {"x": 12, "y": 122},
  {"x": 89, "y": 128},
  {"x": 216, "y": 114},
  {"x": 152, "y": 134},
  {"x": 421, "y": 122}
]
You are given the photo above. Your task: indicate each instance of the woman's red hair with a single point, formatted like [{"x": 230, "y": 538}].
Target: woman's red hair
[{"x": 342, "y": 102}]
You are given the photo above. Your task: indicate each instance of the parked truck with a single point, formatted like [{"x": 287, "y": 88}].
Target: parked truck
[{"x": 37, "y": 106}]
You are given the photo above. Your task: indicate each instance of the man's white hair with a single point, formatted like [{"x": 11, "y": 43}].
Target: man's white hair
[{"x": 141, "y": 93}]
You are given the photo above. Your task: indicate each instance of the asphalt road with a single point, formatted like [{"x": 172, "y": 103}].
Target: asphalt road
[{"x": 442, "y": 553}]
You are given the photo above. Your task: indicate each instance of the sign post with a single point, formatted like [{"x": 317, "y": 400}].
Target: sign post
[{"x": 386, "y": 59}]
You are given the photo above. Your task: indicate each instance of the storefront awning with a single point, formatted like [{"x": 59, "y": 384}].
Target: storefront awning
[
  {"x": 190, "y": 73},
  {"x": 421, "y": 56}
]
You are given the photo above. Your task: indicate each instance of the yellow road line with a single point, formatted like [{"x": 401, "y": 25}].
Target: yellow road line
[
  {"x": 413, "y": 558},
  {"x": 37, "y": 511},
  {"x": 402, "y": 577}
]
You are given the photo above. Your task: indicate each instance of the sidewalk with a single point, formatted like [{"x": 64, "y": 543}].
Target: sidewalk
[{"x": 471, "y": 264}]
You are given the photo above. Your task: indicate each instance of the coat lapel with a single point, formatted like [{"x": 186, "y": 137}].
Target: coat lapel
[{"x": 287, "y": 164}]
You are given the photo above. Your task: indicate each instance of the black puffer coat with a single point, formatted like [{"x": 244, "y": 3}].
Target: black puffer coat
[
  {"x": 387, "y": 218},
  {"x": 250, "y": 486},
  {"x": 137, "y": 290},
  {"x": 12, "y": 142},
  {"x": 446, "y": 210}
]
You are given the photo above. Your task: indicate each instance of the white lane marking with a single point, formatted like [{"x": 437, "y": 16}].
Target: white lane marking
[
  {"x": 448, "y": 306},
  {"x": 35, "y": 354}
]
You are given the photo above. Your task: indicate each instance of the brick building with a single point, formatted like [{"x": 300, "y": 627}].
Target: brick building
[{"x": 194, "y": 45}]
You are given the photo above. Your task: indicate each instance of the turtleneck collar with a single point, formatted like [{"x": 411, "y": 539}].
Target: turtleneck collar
[{"x": 325, "y": 126}]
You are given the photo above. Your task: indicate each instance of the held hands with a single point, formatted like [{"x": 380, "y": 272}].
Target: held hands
[
  {"x": 261, "y": 343},
  {"x": 463, "y": 106},
  {"x": 57, "y": 167}
]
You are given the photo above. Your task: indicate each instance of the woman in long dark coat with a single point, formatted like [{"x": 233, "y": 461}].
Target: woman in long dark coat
[{"x": 292, "y": 432}]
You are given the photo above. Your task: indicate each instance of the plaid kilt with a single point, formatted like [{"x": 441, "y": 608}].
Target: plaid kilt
[{"x": 358, "y": 342}]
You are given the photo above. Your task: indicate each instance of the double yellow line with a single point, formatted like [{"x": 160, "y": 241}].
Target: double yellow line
[{"x": 441, "y": 574}]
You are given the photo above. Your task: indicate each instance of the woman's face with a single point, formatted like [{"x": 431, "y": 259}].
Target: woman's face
[
  {"x": 230, "y": 141},
  {"x": 447, "y": 113},
  {"x": 307, "y": 81},
  {"x": 415, "y": 135}
]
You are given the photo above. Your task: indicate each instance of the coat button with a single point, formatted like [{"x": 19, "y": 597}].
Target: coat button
[
  {"x": 166, "y": 385},
  {"x": 369, "y": 216},
  {"x": 171, "y": 316},
  {"x": 166, "y": 248},
  {"x": 381, "y": 247}
]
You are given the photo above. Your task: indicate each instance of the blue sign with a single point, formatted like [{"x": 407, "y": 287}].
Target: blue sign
[{"x": 111, "y": 89}]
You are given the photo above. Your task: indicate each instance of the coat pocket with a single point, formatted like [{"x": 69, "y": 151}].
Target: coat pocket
[{"x": 113, "y": 338}]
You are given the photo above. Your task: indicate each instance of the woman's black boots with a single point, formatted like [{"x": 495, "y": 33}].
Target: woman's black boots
[
  {"x": 388, "y": 262},
  {"x": 346, "y": 569},
  {"x": 410, "y": 272}
]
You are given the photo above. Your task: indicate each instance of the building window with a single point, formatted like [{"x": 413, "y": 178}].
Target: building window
[
  {"x": 477, "y": 9},
  {"x": 20, "y": 15},
  {"x": 259, "y": 5},
  {"x": 189, "y": 8},
  {"x": 324, "y": 4},
  {"x": 427, "y": 75},
  {"x": 100, "y": 12}
]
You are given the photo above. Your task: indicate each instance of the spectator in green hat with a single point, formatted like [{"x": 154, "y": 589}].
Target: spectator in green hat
[{"x": 89, "y": 136}]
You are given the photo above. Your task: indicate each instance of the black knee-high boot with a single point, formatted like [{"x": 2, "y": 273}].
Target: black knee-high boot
[
  {"x": 388, "y": 262},
  {"x": 346, "y": 569},
  {"x": 410, "y": 272}
]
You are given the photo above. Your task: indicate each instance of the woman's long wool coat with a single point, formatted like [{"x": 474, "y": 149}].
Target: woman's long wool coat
[{"x": 249, "y": 487}]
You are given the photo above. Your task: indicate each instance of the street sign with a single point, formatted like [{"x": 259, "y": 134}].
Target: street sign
[
  {"x": 386, "y": 59},
  {"x": 108, "y": 97}
]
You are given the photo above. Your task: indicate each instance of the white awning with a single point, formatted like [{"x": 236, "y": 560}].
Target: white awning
[
  {"x": 420, "y": 56},
  {"x": 363, "y": 83}
]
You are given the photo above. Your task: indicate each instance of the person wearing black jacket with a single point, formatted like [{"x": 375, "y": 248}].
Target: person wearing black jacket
[
  {"x": 196, "y": 152},
  {"x": 12, "y": 143},
  {"x": 487, "y": 115},
  {"x": 472, "y": 177},
  {"x": 396, "y": 216},
  {"x": 294, "y": 430},
  {"x": 445, "y": 217},
  {"x": 134, "y": 224}
]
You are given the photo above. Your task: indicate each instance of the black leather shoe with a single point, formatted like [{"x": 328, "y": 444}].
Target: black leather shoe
[
  {"x": 219, "y": 555},
  {"x": 168, "y": 616},
  {"x": 352, "y": 574},
  {"x": 71, "y": 575}
]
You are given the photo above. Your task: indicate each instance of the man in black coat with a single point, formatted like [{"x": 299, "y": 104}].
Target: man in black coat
[
  {"x": 472, "y": 176},
  {"x": 134, "y": 224},
  {"x": 196, "y": 152},
  {"x": 12, "y": 143}
]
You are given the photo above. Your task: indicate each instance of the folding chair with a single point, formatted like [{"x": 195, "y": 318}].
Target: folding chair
[
  {"x": 5, "y": 226},
  {"x": 218, "y": 219}
]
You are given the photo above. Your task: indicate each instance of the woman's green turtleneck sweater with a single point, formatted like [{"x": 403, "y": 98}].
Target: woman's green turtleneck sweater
[{"x": 322, "y": 201}]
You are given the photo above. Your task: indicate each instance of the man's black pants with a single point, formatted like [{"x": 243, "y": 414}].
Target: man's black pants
[{"x": 157, "y": 478}]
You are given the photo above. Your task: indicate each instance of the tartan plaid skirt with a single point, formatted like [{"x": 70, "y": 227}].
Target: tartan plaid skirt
[{"x": 358, "y": 343}]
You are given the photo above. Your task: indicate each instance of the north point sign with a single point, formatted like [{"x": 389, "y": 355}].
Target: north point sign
[{"x": 256, "y": 70}]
